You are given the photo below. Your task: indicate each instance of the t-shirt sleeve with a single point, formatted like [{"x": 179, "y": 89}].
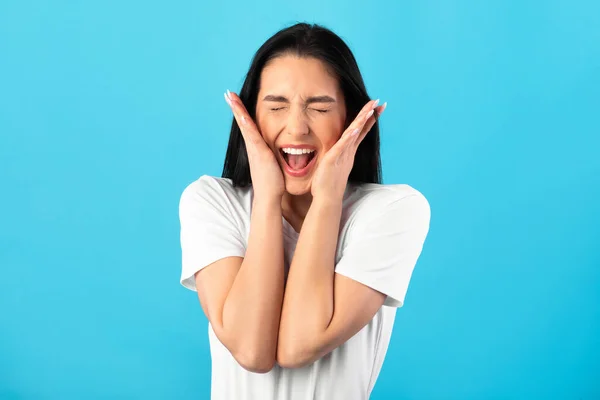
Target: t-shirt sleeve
[
  {"x": 208, "y": 230},
  {"x": 383, "y": 246}
]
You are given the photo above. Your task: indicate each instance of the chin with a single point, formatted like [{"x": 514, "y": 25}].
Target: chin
[{"x": 297, "y": 188}]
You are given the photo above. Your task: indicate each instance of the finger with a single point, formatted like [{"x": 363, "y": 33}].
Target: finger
[
  {"x": 363, "y": 116},
  {"x": 239, "y": 111},
  {"x": 350, "y": 142},
  {"x": 345, "y": 144},
  {"x": 247, "y": 126},
  {"x": 343, "y": 147},
  {"x": 369, "y": 124},
  {"x": 237, "y": 114}
]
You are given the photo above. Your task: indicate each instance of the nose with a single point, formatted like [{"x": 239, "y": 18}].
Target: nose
[{"x": 297, "y": 124}]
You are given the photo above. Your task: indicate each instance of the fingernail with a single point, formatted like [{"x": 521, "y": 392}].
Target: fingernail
[
  {"x": 369, "y": 114},
  {"x": 376, "y": 102},
  {"x": 228, "y": 94},
  {"x": 227, "y": 99}
]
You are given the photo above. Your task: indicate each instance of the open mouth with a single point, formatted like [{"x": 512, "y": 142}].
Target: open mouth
[{"x": 298, "y": 161}]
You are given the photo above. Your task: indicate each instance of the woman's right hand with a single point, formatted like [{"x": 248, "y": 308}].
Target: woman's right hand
[{"x": 267, "y": 178}]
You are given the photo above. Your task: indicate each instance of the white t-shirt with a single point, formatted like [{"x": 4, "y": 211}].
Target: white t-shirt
[{"x": 382, "y": 231}]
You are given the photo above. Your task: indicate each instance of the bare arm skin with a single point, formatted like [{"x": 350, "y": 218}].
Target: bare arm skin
[
  {"x": 322, "y": 309},
  {"x": 242, "y": 297}
]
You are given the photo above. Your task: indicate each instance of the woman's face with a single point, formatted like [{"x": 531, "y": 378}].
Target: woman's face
[{"x": 300, "y": 109}]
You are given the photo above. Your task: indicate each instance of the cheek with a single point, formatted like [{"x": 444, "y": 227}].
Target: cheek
[
  {"x": 331, "y": 132},
  {"x": 267, "y": 129}
]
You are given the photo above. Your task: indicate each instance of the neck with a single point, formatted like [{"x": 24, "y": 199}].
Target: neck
[{"x": 294, "y": 208}]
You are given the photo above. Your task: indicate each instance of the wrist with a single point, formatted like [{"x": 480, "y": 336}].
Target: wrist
[
  {"x": 333, "y": 194},
  {"x": 270, "y": 202},
  {"x": 327, "y": 201}
]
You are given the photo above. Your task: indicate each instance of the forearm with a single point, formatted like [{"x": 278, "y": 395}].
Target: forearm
[
  {"x": 308, "y": 304},
  {"x": 252, "y": 310}
]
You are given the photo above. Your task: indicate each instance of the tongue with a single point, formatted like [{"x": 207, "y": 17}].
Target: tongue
[{"x": 298, "y": 161}]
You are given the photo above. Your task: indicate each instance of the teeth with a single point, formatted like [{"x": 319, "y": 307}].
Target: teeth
[{"x": 296, "y": 151}]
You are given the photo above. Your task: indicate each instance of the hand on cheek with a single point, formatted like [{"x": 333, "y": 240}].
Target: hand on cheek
[
  {"x": 267, "y": 178},
  {"x": 331, "y": 176}
]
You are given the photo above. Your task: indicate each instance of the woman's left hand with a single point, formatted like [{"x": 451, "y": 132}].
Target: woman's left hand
[{"x": 331, "y": 176}]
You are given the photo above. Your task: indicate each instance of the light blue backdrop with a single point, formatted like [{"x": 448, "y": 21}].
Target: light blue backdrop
[{"x": 108, "y": 109}]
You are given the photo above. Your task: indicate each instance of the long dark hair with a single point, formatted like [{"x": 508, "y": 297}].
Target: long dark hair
[{"x": 315, "y": 41}]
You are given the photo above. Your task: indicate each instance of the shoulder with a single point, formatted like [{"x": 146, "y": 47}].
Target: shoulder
[
  {"x": 372, "y": 197},
  {"x": 208, "y": 186},
  {"x": 213, "y": 191},
  {"x": 390, "y": 204}
]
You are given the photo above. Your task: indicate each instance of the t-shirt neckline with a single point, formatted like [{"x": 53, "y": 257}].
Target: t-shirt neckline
[{"x": 289, "y": 229}]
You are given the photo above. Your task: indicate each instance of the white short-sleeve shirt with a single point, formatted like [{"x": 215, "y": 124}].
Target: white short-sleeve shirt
[{"x": 382, "y": 231}]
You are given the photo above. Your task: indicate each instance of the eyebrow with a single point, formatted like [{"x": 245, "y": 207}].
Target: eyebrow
[{"x": 310, "y": 100}]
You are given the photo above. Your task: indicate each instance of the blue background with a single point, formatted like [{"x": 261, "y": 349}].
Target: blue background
[{"x": 108, "y": 109}]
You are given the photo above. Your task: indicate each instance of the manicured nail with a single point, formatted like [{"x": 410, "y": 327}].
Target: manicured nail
[
  {"x": 383, "y": 106},
  {"x": 227, "y": 99},
  {"x": 376, "y": 102},
  {"x": 369, "y": 114},
  {"x": 228, "y": 94}
]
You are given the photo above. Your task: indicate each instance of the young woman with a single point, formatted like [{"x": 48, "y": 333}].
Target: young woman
[{"x": 300, "y": 256}]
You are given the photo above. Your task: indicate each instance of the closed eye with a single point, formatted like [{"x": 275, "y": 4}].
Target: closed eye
[{"x": 315, "y": 109}]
